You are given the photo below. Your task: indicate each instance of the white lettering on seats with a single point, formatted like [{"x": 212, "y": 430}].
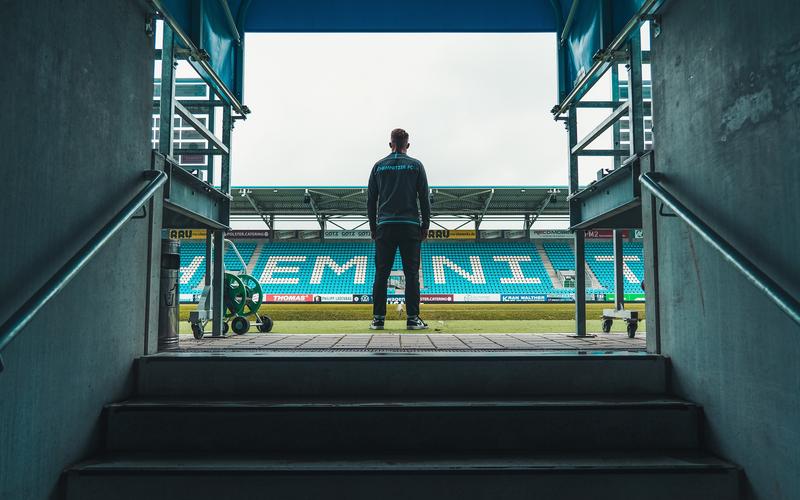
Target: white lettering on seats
[
  {"x": 440, "y": 261},
  {"x": 323, "y": 261},
  {"x": 272, "y": 267},
  {"x": 626, "y": 271},
  {"x": 518, "y": 277},
  {"x": 188, "y": 272}
]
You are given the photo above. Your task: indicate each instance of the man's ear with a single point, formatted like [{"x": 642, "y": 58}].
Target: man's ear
[{"x": 408, "y": 145}]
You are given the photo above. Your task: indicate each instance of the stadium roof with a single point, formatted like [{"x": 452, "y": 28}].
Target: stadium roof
[{"x": 470, "y": 204}]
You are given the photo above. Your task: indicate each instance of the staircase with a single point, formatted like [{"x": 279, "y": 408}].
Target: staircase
[
  {"x": 398, "y": 426},
  {"x": 254, "y": 258},
  {"x": 548, "y": 266}
]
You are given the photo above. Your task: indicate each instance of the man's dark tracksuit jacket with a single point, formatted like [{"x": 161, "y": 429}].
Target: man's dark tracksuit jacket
[{"x": 396, "y": 184}]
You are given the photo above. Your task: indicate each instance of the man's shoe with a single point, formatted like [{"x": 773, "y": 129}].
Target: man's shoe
[
  {"x": 416, "y": 323},
  {"x": 377, "y": 324}
]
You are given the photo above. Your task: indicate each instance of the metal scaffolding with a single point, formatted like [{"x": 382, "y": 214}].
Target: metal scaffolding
[
  {"x": 613, "y": 201},
  {"x": 194, "y": 198}
]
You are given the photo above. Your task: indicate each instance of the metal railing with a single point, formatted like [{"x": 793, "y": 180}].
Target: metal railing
[
  {"x": 756, "y": 276},
  {"x": 25, "y": 313}
]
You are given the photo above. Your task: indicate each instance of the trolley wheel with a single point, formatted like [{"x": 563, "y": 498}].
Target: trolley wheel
[
  {"x": 225, "y": 327},
  {"x": 266, "y": 324},
  {"x": 197, "y": 330},
  {"x": 632, "y": 329},
  {"x": 607, "y": 323},
  {"x": 240, "y": 325}
]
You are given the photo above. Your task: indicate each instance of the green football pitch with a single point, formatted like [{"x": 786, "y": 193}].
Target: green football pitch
[{"x": 442, "y": 318}]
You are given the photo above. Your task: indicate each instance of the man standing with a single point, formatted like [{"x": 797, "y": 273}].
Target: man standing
[{"x": 399, "y": 212}]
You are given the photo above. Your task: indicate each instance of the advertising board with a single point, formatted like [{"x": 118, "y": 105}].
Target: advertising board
[
  {"x": 358, "y": 234},
  {"x": 333, "y": 297},
  {"x": 550, "y": 234},
  {"x": 362, "y": 299},
  {"x": 476, "y": 297},
  {"x": 629, "y": 297},
  {"x": 437, "y": 298},
  {"x": 186, "y": 234},
  {"x": 247, "y": 234},
  {"x": 515, "y": 234},
  {"x": 451, "y": 234},
  {"x": 285, "y": 235},
  {"x": 522, "y": 297},
  {"x": 603, "y": 233},
  {"x": 490, "y": 234},
  {"x": 289, "y": 298}
]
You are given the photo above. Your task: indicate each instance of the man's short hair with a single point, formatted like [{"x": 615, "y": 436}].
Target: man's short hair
[{"x": 399, "y": 137}]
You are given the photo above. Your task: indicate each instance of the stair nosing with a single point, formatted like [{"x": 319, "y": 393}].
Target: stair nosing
[{"x": 410, "y": 404}]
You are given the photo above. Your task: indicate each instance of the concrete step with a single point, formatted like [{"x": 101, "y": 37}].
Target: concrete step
[
  {"x": 548, "y": 266},
  {"x": 403, "y": 425},
  {"x": 410, "y": 375},
  {"x": 612, "y": 475}
]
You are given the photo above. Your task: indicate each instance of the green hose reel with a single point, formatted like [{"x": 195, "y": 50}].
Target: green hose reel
[{"x": 242, "y": 295}]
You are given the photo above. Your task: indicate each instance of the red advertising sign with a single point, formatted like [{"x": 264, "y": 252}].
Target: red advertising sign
[
  {"x": 290, "y": 298},
  {"x": 428, "y": 298},
  {"x": 602, "y": 233}
]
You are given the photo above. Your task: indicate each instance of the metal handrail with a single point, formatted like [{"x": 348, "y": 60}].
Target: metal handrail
[
  {"x": 25, "y": 313},
  {"x": 756, "y": 276}
]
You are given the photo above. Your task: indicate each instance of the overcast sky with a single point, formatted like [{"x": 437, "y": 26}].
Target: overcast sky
[{"x": 476, "y": 107}]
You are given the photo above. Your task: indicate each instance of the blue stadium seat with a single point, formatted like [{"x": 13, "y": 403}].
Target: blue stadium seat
[{"x": 448, "y": 267}]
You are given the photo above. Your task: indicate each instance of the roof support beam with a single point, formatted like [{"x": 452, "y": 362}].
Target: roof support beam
[
  {"x": 315, "y": 210},
  {"x": 479, "y": 219},
  {"x": 264, "y": 217},
  {"x": 541, "y": 210}
]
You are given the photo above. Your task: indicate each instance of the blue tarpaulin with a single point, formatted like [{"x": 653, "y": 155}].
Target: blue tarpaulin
[{"x": 595, "y": 24}]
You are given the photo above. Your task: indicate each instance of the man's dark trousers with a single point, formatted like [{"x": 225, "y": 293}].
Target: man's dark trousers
[{"x": 388, "y": 238}]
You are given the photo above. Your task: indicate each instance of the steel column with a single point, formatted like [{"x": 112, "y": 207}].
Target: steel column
[
  {"x": 635, "y": 95},
  {"x": 209, "y": 258},
  {"x": 580, "y": 259},
  {"x": 225, "y": 174},
  {"x": 615, "y": 135},
  {"x": 212, "y": 126},
  {"x": 217, "y": 282},
  {"x": 167, "y": 110},
  {"x": 219, "y": 236},
  {"x": 619, "y": 277},
  {"x": 636, "y": 136}
]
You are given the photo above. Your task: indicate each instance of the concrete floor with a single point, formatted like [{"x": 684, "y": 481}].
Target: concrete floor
[{"x": 416, "y": 342}]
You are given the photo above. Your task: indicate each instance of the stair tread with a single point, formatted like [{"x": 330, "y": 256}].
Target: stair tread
[
  {"x": 365, "y": 403},
  {"x": 449, "y": 356},
  {"x": 242, "y": 462}
]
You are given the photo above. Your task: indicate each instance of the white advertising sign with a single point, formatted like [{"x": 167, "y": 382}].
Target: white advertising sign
[
  {"x": 476, "y": 297},
  {"x": 358, "y": 234}
]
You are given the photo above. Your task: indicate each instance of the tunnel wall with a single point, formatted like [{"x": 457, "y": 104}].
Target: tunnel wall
[
  {"x": 77, "y": 83},
  {"x": 726, "y": 120}
]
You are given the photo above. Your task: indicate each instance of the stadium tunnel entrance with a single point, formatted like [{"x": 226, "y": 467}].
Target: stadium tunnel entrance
[
  {"x": 499, "y": 267},
  {"x": 469, "y": 425}
]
